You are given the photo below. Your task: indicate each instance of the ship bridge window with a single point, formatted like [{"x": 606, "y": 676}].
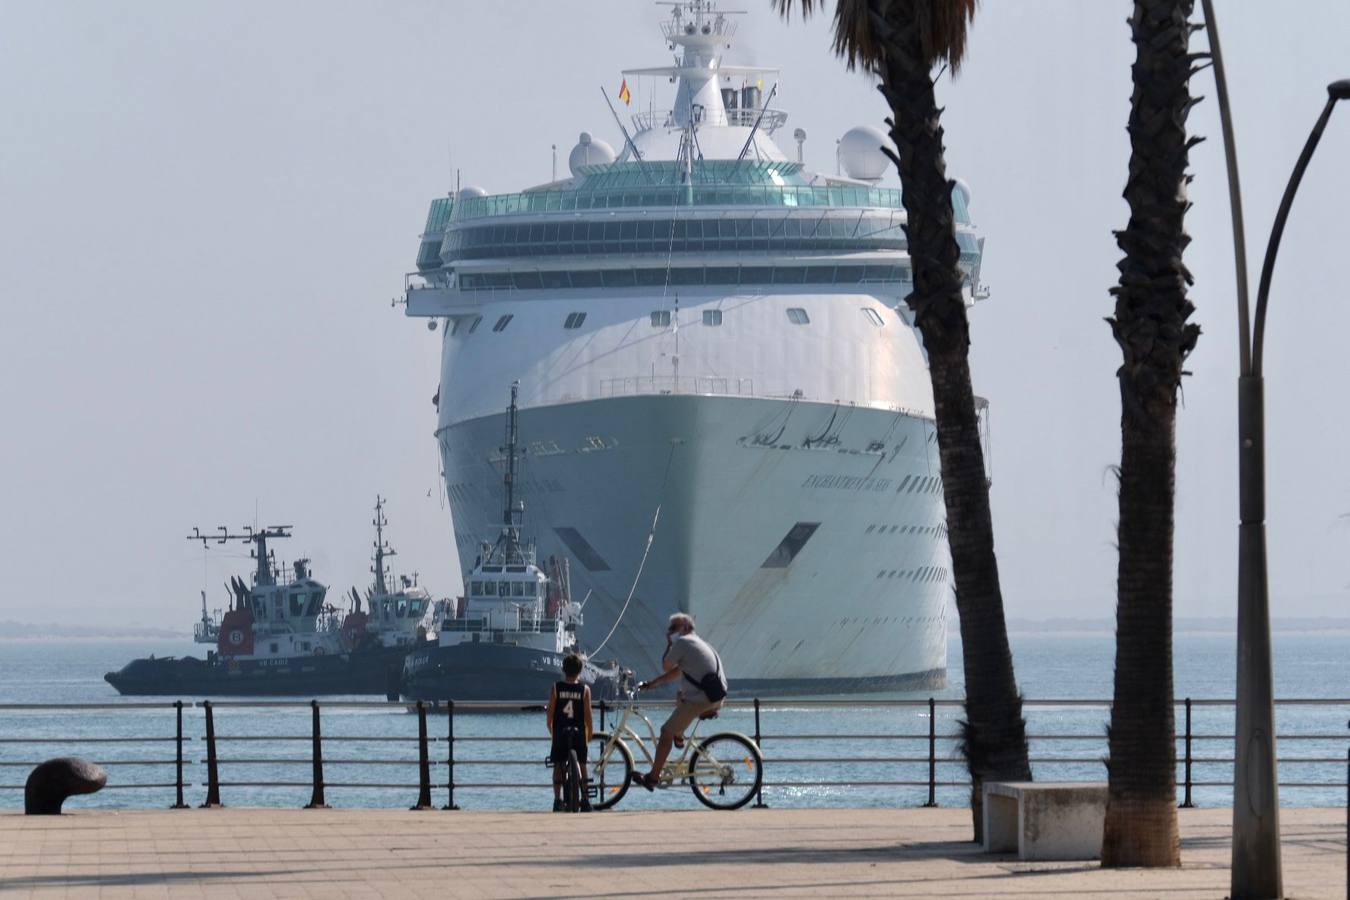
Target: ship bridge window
[
  {"x": 503, "y": 322},
  {"x": 517, "y": 589},
  {"x": 489, "y": 589},
  {"x": 660, "y": 318},
  {"x": 574, "y": 320},
  {"x": 712, "y": 317},
  {"x": 872, "y": 316},
  {"x": 791, "y": 544},
  {"x": 797, "y": 316},
  {"x": 476, "y": 588}
]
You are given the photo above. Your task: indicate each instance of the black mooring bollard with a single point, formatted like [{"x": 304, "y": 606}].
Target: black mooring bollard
[
  {"x": 178, "y": 779},
  {"x": 423, "y": 760},
  {"x": 932, "y": 754},
  {"x": 316, "y": 755},
  {"x": 450, "y": 755},
  {"x": 212, "y": 771},
  {"x": 759, "y": 794}
]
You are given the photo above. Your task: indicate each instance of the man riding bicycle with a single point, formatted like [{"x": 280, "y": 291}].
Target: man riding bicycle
[{"x": 701, "y": 693}]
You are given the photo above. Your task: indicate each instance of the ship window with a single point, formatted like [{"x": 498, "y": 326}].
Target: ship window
[
  {"x": 660, "y": 318},
  {"x": 791, "y": 544},
  {"x": 687, "y": 276},
  {"x": 619, "y": 278},
  {"x": 274, "y": 647},
  {"x": 582, "y": 549},
  {"x": 473, "y": 326},
  {"x": 503, "y": 589},
  {"x": 476, "y": 587},
  {"x": 489, "y": 589},
  {"x": 712, "y": 317},
  {"x": 304, "y": 645},
  {"x": 797, "y": 316},
  {"x": 574, "y": 320},
  {"x": 872, "y": 316},
  {"x": 517, "y": 589},
  {"x": 723, "y": 274},
  {"x": 584, "y": 278},
  {"x": 503, "y": 322},
  {"x": 526, "y": 280},
  {"x": 530, "y": 588},
  {"x": 651, "y": 277}
]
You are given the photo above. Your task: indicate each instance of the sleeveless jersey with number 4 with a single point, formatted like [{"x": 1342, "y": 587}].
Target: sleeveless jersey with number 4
[{"x": 569, "y": 707}]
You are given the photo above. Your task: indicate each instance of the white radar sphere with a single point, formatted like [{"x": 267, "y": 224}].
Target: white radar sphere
[
  {"x": 589, "y": 151},
  {"x": 860, "y": 153},
  {"x": 472, "y": 191}
]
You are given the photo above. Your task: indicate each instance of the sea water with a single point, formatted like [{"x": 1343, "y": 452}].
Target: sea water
[{"x": 864, "y": 753}]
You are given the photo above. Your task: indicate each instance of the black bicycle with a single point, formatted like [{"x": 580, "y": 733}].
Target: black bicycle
[{"x": 575, "y": 789}]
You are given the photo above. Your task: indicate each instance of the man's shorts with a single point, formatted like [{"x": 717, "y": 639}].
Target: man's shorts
[
  {"x": 685, "y": 714},
  {"x": 568, "y": 739}
]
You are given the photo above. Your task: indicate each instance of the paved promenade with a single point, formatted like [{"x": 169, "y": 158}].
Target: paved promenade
[{"x": 261, "y": 853}]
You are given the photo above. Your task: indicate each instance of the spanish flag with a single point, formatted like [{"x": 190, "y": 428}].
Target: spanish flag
[{"x": 624, "y": 94}]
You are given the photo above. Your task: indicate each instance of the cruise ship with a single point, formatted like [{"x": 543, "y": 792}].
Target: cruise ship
[{"x": 727, "y": 408}]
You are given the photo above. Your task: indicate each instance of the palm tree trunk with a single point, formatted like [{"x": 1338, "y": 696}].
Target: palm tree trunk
[
  {"x": 995, "y": 743},
  {"x": 1150, "y": 327}
]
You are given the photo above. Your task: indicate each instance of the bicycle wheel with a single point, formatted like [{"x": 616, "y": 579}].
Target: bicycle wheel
[
  {"x": 572, "y": 783},
  {"x": 610, "y": 768},
  {"x": 725, "y": 771}
]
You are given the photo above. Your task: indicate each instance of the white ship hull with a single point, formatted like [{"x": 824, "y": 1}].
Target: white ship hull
[{"x": 860, "y": 604}]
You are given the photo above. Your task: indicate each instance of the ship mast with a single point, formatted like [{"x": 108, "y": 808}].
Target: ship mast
[
  {"x": 510, "y": 513},
  {"x": 263, "y": 575},
  {"x": 382, "y": 549}
]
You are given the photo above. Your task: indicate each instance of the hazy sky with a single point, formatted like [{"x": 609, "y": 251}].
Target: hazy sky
[{"x": 205, "y": 209}]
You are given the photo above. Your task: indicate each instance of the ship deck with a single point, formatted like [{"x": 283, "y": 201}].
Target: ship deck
[{"x": 259, "y": 853}]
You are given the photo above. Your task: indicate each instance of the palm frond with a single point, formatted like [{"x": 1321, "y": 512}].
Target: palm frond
[{"x": 860, "y": 24}]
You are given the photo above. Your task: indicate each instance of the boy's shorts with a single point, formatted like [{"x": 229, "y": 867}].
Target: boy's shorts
[{"x": 568, "y": 739}]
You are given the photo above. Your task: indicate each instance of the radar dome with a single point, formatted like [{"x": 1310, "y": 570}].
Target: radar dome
[
  {"x": 472, "y": 191},
  {"x": 589, "y": 151},
  {"x": 860, "y": 153}
]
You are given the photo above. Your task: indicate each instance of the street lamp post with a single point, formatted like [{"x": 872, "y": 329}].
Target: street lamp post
[{"x": 1256, "y": 870}]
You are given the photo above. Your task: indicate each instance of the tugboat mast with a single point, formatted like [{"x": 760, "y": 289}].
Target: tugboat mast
[
  {"x": 263, "y": 575},
  {"x": 509, "y": 514},
  {"x": 382, "y": 549}
]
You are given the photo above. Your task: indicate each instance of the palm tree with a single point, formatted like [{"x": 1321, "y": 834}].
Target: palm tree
[
  {"x": 900, "y": 42},
  {"x": 1150, "y": 326}
]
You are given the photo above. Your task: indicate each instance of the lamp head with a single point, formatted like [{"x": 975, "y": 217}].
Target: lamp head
[{"x": 1339, "y": 90}]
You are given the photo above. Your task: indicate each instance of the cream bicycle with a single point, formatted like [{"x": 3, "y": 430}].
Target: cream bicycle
[{"x": 724, "y": 771}]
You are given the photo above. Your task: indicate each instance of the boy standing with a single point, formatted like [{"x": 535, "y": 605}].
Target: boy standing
[{"x": 569, "y": 722}]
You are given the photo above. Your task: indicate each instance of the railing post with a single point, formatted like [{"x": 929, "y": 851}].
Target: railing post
[
  {"x": 212, "y": 772},
  {"x": 178, "y": 779},
  {"x": 316, "y": 755},
  {"x": 1186, "y": 801},
  {"x": 759, "y": 794},
  {"x": 423, "y": 760},
  {"x": 932, "y": 754},
  {"x": 450, "y": 755},
  {"x": 602, "y": 715}
]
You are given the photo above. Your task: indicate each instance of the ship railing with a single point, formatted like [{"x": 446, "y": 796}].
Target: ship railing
[
  {"x": 816, "y": 752},
  {"x": 665, "y": 118}
]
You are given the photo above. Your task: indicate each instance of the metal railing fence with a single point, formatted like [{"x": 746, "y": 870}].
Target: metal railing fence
[{"x": 815, "y": 751}]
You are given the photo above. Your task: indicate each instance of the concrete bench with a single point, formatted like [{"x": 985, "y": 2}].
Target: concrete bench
[{"x": 1044, "y": 820}]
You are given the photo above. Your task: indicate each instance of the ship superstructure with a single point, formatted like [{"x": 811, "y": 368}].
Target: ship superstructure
[{"x": 701, "y": 326}]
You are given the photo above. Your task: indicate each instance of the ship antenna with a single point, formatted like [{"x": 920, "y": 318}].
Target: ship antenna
[
  {"x": 620, "y": 123},
  {"x": 762, "y": 110},
  {"x": 381, "y": 548},
  {"x": 509, "y": 514}
]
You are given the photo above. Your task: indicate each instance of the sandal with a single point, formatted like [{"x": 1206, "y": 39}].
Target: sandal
[{"x": 650, "y": 781}]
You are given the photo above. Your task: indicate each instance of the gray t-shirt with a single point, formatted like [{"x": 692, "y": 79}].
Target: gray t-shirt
[{"x": 696, "y": 658}]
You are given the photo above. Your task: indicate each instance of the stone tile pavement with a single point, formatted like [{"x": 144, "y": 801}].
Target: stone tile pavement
[{"x": 339, "y": 853}]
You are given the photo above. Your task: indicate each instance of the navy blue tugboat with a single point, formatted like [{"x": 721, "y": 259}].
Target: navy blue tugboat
[
  {"x": 280, "y": 638},
  {"x": 507, "y": 638}
]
